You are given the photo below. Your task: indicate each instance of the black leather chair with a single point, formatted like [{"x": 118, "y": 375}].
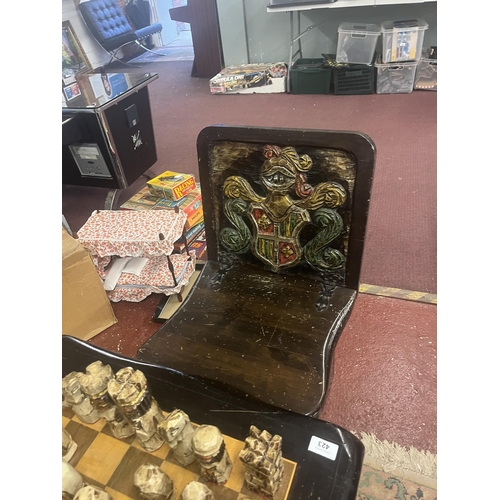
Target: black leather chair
[{"x": 111, "y": 28}]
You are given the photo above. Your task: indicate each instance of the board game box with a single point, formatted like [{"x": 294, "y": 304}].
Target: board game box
[
  {"x": 188, "y": 204},
  {"x": 194, "y": 234},
  {"x": 250, "y": 79},
  {"x": 143, "y": 200},
  {"x": 171, "y": 185}
]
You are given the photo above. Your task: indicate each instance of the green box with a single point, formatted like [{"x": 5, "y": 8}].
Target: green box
[{"x": 310, "y": 76}]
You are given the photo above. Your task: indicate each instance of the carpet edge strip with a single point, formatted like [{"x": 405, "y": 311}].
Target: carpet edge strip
[{"x": 398, "y": 293}]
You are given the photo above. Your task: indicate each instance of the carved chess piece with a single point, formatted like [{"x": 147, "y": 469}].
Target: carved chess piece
[
  {"x": 79, "y": 402},
  {"x": 90, "y": 492},
  {"x": 94, "y": 384},
  {"x": 153, "y": 483},
  {"x": 72, "y": 481},
  {"x": 130, "y": 391},
  {"x": 178, "y": 431},
  {"x": 197, "y": 491},
  {"x": 68, "y": 445},
  {"x": 263, "y": 462},
  {"x": 211, "y": 454}
]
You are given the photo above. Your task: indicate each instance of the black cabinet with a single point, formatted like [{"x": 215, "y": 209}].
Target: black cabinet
[{"x": 107, "y": 131}]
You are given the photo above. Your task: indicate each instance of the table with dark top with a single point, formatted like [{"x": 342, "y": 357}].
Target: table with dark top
[{"x": 317, "y": 475}]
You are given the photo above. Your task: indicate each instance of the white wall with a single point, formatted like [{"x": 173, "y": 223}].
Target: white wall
[
  {"x": 267, "y": 37},
  {"x": 232, "y": 29},
  {"x": 169, "y": 32}
]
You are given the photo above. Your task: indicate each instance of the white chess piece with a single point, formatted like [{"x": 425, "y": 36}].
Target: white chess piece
[
  {"x": 196, "y": 491},
  {"x": 178, "y": 431},
  {"x": 94, "y": 384},
  {"x": 68, "y": 445},
  {"x": 90, "y": 492},
  {"x": 75, "y": 397},
  {"x": 153, "y": 483},
  {"x": 130, "y": 392},
  {"x": 211, "y": 454},
  {"x": 72, "y": 481}
]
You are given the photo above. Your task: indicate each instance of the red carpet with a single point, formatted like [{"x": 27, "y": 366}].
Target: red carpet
[{"x": 400, "y": 249}]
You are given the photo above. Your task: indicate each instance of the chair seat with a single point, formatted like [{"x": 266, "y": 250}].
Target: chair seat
[
  {"x": 148, "y": 30},
  {"x": 258, "y": 334},
  {"x": 114, "y": 42}
]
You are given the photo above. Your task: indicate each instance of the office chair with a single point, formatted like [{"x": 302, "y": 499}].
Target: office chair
[{"x": 110, "y": 27}]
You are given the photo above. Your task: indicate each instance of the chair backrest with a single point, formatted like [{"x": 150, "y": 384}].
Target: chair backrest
[
  {"x": 107, "y": 23},
  {"x": 292, "y": 201}
]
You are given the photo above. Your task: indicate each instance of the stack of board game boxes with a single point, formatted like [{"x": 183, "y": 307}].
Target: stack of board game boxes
[{"x": 171, "y": 190}]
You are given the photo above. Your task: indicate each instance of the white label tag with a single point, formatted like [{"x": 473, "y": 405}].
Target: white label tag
[{"x": 323, "y": 447}]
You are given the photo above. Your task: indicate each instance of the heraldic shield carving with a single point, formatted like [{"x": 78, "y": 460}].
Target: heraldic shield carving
[{"x": 271, "y": 225}]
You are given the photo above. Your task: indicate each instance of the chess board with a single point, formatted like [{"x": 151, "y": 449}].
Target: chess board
[{"x": 110, "y": 463}]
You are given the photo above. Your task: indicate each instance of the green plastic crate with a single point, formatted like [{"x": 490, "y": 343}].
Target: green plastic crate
[{"x": 310, "y": 76}]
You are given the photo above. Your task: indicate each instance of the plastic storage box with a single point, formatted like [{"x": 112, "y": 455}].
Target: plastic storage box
[
  {"x": 426, "y": 75},
  {"x": 353, "y": 79},
  {"x": 357, "y": 42},
  {"x": 395, "y": 78},
  {"x": 310, "y": 76},
  {"x": 402, "y": 40}
]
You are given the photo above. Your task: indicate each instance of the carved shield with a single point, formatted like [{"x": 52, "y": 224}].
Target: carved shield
[{"x": 276, "y": 242}]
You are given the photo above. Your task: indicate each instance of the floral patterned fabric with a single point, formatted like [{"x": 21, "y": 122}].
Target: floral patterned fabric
[
  {"x": 130, "y": 233},
  {"x": 100, "y": 264},
  {"x": 155, "y": 277},
  {"x": 108, "y": 234}
]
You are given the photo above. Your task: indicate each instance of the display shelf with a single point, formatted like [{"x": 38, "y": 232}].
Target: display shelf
[{"x": 340, "y": 4}]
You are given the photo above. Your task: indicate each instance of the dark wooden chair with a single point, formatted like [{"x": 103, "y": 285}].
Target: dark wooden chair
[{"x": 285, "y": 213}]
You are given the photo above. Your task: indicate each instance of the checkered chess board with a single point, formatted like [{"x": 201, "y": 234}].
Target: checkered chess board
[{"x": 110, "y": 463}]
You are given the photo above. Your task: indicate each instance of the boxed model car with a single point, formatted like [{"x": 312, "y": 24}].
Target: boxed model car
[{"x": 250, "y": 79}]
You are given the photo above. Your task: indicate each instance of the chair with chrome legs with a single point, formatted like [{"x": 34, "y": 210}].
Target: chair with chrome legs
[{"x": 110, "y": 27}]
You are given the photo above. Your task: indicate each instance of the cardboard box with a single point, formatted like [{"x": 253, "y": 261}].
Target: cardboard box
[
  {"x": 86, "y": 309},
  {"x": 171, "y": 185},
  {"x": 264, "y": 78}
]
